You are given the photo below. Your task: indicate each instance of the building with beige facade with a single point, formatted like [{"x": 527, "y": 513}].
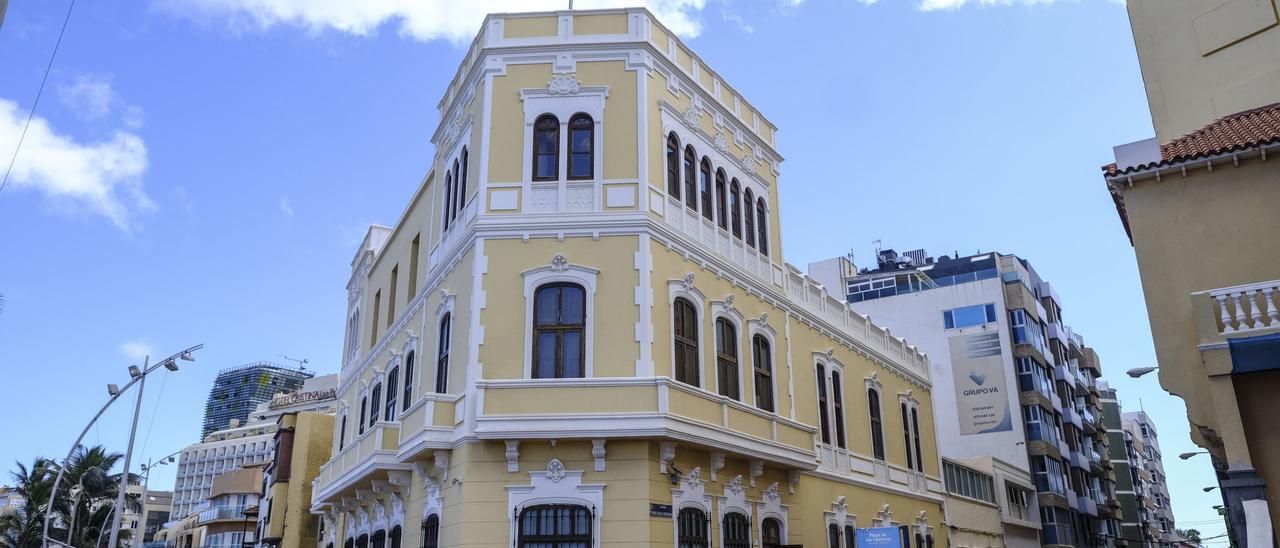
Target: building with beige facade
[
  {"x": 1199, "y": 203},
  {"x": 302, "y": 444},
  {"x": 581, "y": 331}
]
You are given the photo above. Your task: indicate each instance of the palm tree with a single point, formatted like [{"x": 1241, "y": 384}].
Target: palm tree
[{"x": 83, "y": 505}]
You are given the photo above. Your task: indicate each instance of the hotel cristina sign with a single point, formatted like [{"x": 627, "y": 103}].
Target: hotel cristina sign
[{"x": 303, "y": 397}]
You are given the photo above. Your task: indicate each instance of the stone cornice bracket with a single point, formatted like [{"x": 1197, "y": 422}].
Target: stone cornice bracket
[
  {"x": 422, "y": 468},
  {"x": 442, "y": 463},
  {"x": 687, "y": 281},
  {"x": 382, "y": 487},
  {"x": 793, "y": 481},
  {"x": 597, "y": 453},
  {"x": 513, "y": 455},
  {"x": 757, "y": 470},
  {"x": 717, "y": 464},
  {"x": 666, "y": 454},
  {"x": 400, "y": 478}
]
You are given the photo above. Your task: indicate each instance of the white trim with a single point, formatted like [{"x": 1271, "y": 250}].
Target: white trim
[
  {"x": 685, "y": 289},
  {"x": 734, "y": 500},
  {"x": 560, "y": 270},
  {"x": 760, "y": 326},
  {"x": 446, "y": 307},
  {"x": 771, "y": 507},
  {"x": 840, "y": 517},
  {"x": 692, "y": 493},
  {"x": 555, "y": 485},
  {"x": 724, "y": 309}
]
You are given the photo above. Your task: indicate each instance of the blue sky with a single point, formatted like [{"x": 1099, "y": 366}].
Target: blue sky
[{"x": 200, "y": 172}]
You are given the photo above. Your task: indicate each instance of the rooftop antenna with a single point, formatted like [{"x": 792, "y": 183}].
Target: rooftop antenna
[
  {"x": 302, "y": 363},
  {"x": 570, "y": 5}
]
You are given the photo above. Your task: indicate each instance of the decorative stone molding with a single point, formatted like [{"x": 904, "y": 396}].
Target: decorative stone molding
[
  {"x": 559, "y": 263},
  {"x": 750, "y": 162},
  {"x": 513, "y": 455},
  {"x": 666, "y": 453},
  {"x": 555, "y": 470},
  {"x": 442, "y": 463},
  {"x": 756, "y": 468},
  {"x": 721, "y": 142},
  {"x": 687, "y": 281},
  {"x": 717, "y": 464},
  {"x": 597, "y": 453},
  {"x": 564, "y": 84},
  {"x": 771, "y": 492},
  {"x": 793, "y": 481},
  {"x": 884, "y": 517},
  {"x": 692, "y": 117}
]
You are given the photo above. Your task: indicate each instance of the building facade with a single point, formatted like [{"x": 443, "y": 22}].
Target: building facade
[
  {"x": 237, "y": 392},
  {"x": 1146, "y": 514},
  {"x": 1146, "y": 455},
  {"x": 580, "y": 332},
  {"x": 155, "y": 513},
  {"x": 1011, "y": 381},
  {"x": 221, "y": 451},
  {"x": 1192, "y": 200},
  {"x": 302, "y": 444},
  {"x": 226, "y": 519}
]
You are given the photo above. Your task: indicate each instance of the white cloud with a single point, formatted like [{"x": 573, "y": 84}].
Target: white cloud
[
  {"x": 91, "y": 96},
  {"x": 454, "y": 20},
  {"x": 286, "y": 209},
  {"x": 136, "y": 350},
  {"x": 104, "y": 177}
]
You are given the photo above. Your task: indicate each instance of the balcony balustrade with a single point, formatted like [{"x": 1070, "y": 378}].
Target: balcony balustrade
[{"x": 1243, "y": 308}]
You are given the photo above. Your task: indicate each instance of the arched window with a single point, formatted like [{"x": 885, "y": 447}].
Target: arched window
[
  {"x": 737, "y": 531},
  {"x": 375, "y": 396},
  {"x": 393, "y": 538},
  {"x": 690, "y": 173},
  {"x": 364, "y": 404},
  {"x": 928, "y": 541},
  {"x": 837, "y": 402},
  {"x": 342, "y": 432},
  {"x": 877, "y": 423},
  {"x": 362, "y": 541},
  {"x": 705, "y": 180},
  {"x": 378, "y": 540},
  {"x": 771, "y": 533},
  {"x": 350, "y": 543},
  {"x": 722, "y": 216},
  {"x": 555, "y": 526},
  {"x": 750, "y": 220},
  {"x": 673, "y": 165},
  {"x": 850, "y": 537},
  {"x": 448, "y": 197},
  {"x": 692, "y": 532},
  {"x": 393, "y": 379},
  {"x": 546, "y": 148},
  {"x": 906, "y": 438},
  {"x": 581, "y": 147},
  {"x": 462, "y": 182},
  {"x": 431, "y": 531},
  {"x": 824, "y": 421},
  {"x": 727, "y": 359},
  {"x": 915, "y": 430},
  {"x": 457, "y": 196},
  {"x": 735, "y": 209},
  {"x": 685, "y": 340},
  {"x": 763, "y": 372},
  {"x": 919, "y": 540},
  {"x": 762, "y": 240},
  {"x": 442, "y": 354},
  {"x": 833, "y": 535},
  {"x": 560, "y": 318},
  {"x": 408, "y": 380}
]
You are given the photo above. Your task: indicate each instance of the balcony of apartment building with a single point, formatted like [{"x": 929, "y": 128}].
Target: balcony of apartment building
[{"x": 374, "y": 450}]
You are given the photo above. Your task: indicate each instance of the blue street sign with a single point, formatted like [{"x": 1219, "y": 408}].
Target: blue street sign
[{"x": 879, "y": 537}]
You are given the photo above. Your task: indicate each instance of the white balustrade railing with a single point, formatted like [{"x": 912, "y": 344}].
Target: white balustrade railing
[{"x": 1247, "y": 307}]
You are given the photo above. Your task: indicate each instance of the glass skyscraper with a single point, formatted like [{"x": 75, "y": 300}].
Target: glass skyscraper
[{"x": 238, "y": 390}]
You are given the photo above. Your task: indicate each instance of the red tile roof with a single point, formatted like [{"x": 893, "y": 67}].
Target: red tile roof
[
  {"x": 1239, "y": 131},
  {"x": 1243, "y": 130}
]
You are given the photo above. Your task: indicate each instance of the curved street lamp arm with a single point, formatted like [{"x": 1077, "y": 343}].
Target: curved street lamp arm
[{"x": 53, "y": 495}]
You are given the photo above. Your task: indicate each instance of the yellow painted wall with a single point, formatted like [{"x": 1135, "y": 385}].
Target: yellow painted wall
[
  {"x": 612, "y": 23},
  {"x": 528, "y": 27}
]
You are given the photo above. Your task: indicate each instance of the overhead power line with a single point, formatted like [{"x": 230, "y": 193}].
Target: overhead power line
[{"x": 39, "y": 92}]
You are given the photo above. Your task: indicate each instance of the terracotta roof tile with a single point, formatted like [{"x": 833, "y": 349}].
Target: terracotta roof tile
[
  {"x": 1251, "y": 128},
  {"x": 1239, "y": 131}
]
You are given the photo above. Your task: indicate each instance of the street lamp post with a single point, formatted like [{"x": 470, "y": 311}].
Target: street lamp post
[
  {"x": 169, "y": 363},
  {"x": 146, "y": 478}
]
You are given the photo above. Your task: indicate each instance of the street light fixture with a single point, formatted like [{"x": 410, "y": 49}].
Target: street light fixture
[
  {"x": 139, "y": 376},
  {"x": 171, "y": 365},
  {"x": 1210, "y": 488},
  {"x": 1140, "y": 371},
  {"x": 1189, "y": 454}
]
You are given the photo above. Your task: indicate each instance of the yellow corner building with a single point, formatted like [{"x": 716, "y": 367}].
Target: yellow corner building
[{"x": 581, "y": 332}]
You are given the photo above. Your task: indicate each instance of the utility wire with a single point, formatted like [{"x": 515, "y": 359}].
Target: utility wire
[{"x": 39, "y": 92}]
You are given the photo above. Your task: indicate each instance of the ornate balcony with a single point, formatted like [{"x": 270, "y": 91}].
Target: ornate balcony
[
  {"x": 373, "y": 450},
  {"x": 1237, "y": 310},
  {"x": 654, "y": 407}
]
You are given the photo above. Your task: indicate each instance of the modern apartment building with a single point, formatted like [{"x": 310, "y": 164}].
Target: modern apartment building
[
  {"x": 1012, "y": 382},
  {"x": 1198, "y": 202},
  {"x": 237, "y": 391},
  {"x": 581, "y": 331},
  {"x": 226, "y": 519},
  {"x": 220, "y": 452},
  {"x": 156, "y": 506},
  {"x": 1146, "y": 512}
]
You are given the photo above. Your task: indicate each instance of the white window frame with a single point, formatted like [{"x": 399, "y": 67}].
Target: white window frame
[
  {"x": 560, "y": 270},
  {"x": 760, "y": 326},
  {"x": 724, "y": 310},
  {"x": 685, "y": 289},
  {"x": 555, "y": 485}
]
